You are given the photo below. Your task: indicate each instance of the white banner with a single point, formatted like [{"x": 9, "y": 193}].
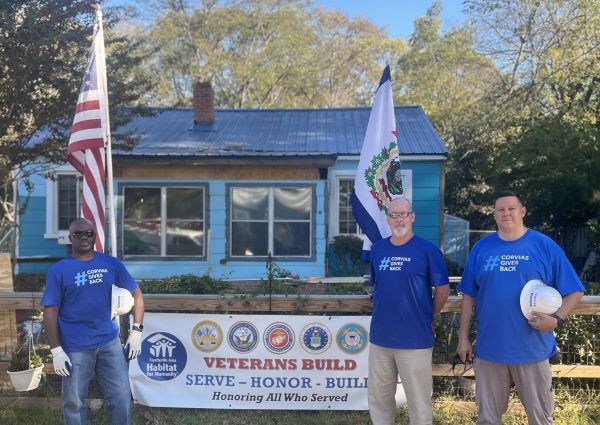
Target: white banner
[{"x": 253, "y": 362}]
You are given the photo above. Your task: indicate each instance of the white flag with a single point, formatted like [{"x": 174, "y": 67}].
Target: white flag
[{"x": 378, "y": 179}]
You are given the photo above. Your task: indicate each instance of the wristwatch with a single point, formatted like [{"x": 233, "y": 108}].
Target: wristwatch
[
  {"x": 559, "y": 320},
  {"x": 138, "y": 327}
]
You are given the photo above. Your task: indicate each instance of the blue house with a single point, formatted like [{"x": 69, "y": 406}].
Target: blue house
[{"x": 214, "y": 192}]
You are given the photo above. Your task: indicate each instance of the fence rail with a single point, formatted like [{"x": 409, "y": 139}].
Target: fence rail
[{"x": 308, "y": 303}]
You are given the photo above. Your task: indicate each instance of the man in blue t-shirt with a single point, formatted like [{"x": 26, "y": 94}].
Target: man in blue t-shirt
[
  {"x": 404, "y": 267},
  {"x": 509, "y": 347},
  {"x": 83, "y": 339}
]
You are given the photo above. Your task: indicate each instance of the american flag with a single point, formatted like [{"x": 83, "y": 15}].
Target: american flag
[{"x": 87, "y": 141}]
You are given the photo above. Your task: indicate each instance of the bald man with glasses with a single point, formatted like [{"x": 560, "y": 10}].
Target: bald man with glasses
[{"x": 404, "y": 268}]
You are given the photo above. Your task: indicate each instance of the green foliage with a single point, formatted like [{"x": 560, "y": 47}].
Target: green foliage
[
  {"x": 447, "y": 411},
  {"x": 43, "y": 53},
  {"x": 347, "y": 250},
  {"x": 185, "y": 284},
  {"x": 272, "y": 53},
  {"x": 346, "y": 289},
  {"x": 454, "y": 269},
  {"x": 277, "y": 287},
  {"x": 516, "y": 107},
  {"x": 578, "y": 340},
  {"x": 29, "y": 282},
  {"x": 22, "y": 361},
  {"x": 279, "y": 272}
]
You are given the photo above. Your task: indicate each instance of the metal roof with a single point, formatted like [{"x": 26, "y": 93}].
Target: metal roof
[{"x": 274, "y": 133}]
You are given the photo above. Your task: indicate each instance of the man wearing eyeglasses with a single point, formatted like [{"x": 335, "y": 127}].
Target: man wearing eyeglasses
[
  {"x": 404, "y": 268},
  {"x": 510, "y": 348},
  {"x": 84, "y": 340}
]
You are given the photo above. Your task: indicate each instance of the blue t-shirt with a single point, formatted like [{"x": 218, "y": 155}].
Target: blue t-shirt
[
  {"x": 402, "y": 298},
  {"x": 495, "y": 274},
  {"x": 82, "y": 292}
]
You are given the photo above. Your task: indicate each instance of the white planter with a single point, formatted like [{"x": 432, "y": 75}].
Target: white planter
[{"x": 26, "y": 380}]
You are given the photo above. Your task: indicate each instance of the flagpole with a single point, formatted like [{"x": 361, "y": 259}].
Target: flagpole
[{"x": 109, "y": 170}]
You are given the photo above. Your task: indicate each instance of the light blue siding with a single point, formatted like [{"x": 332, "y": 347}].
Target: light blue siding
[
  {"x": 426, "y": 202},
  {"x": 32, "y": 228}
]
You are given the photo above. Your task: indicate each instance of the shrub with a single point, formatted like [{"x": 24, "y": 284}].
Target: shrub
[
  {"x": 185, "y": 284},
  {"x": 347, "y": 250},
  {"x": 355, "y": 288},
  {"x": 29, "y": 282}
]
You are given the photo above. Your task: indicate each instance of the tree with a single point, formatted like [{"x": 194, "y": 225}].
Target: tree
[
  {"x": 547, "y": 134},
  {"x": 264, "y": 54},
  {"x": 43, "y": 54},
  {"x": 442, "y": 72}
]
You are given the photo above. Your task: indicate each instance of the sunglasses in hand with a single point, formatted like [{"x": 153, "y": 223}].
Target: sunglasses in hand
[{"x": 468, "y": 365}]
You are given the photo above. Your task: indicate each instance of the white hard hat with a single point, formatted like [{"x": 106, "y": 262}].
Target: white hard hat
[
  {"x": 537, "y": 297},
  {"x": 122, "y": 301}
]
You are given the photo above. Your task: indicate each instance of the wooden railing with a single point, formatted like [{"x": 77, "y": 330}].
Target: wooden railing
[{"x": 307, "y": 303}]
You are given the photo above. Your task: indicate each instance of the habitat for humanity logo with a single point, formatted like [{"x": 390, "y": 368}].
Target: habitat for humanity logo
[{"x": 163, "y": 357}]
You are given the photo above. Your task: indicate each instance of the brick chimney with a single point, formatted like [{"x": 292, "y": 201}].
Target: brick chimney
[{"x": 204, "y": 104}]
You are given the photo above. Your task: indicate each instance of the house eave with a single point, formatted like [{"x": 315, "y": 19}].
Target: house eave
[{"x": 313, "y": 160}]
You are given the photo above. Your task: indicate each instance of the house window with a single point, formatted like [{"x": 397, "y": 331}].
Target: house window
[
  {"x": 68, "y": 192},
  {"x": 346, "y": 222},
  {"x": 163, "y": 221},
  {"x": 275, "y": 220}
]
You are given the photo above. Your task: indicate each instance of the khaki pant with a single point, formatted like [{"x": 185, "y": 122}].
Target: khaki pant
[
  {"x": 414, "y": 368},
  {"x": 533, "y": 382}
]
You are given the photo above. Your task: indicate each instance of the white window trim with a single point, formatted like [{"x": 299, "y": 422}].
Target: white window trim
[
  {"x": 334, "y": 199},
  {"x": 271, "y": 222},
  {"x": 52, "y": 231}
]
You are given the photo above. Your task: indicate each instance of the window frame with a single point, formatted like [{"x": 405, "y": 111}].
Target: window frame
[
  {"x": 163, "y": 186},
  {"x": 271, "y": 220},
  {"x": 52, "y": 208},
  {"x": 334, "y": 202}
]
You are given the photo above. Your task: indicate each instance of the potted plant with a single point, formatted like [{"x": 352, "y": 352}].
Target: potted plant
[{"x": 26, "y": 367}]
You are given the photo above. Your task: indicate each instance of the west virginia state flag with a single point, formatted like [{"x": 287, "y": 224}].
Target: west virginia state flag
[{"x": 378, "y": 178}]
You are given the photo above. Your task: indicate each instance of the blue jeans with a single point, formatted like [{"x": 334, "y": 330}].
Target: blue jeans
[{"x": 109, "y": 366}]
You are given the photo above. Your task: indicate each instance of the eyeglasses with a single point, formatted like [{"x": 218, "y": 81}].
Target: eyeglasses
[
  {"x": 468, "y": 365},
  {"x": 80, "y": 235},
  {"x": 402, "y": 214}
]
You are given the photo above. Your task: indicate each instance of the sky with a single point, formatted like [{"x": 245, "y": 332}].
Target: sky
[{"x": 396, "y": 15}]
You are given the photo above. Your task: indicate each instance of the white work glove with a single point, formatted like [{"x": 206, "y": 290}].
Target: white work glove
[
  {"x": 135, "y": 343},
  {"x": 60, "y": 361}
]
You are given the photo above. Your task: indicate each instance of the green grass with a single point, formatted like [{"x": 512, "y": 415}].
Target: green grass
[{"x": 450, "y": 413}]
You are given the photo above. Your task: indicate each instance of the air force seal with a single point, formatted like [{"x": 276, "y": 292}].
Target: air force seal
[{"x": 316, "y": 338}]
